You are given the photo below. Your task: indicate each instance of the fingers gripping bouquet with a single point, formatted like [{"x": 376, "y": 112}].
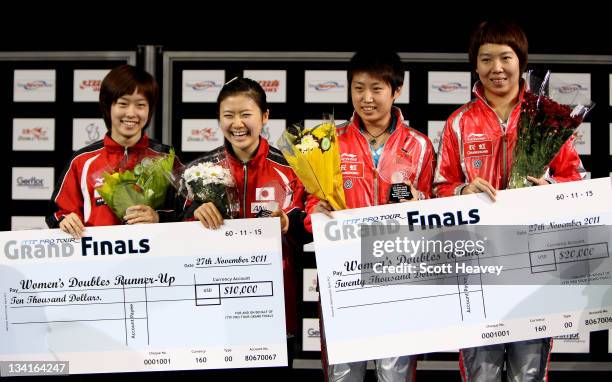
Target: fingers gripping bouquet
[
  {"x": 210, "y": 181},
  {"x": 145, "y": 184},
  {"x": 314, "y": 156},
  {"x": 543, "y": 128}
]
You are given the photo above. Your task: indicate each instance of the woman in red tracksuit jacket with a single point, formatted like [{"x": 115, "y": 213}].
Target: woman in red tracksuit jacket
[
  {"x": 127, "y": 98},
  {"x": 376, "y": 145},
  {"x": 475, "y": 155},
  {"x": 262, "y": 175}
]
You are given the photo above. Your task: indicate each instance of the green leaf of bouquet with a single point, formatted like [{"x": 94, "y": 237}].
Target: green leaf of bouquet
[{"x": 125, "y": 195}]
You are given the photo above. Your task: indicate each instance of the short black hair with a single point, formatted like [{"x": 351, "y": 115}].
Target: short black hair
[
  {"x": 122, "y": 80},
  {"x": 384, "y": 64},
  {"x": 502, "y": 32},
  {"x": 246, "y": 86}
]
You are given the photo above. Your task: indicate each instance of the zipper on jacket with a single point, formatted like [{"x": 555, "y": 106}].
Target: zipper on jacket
[
  {"x": 375, "y": 187},
  {"x": 246, "y": 177},
  {"x": 504, "y": 127},
  {"x": 504, "y": 182},
  {"x": 124, "y": 162}
]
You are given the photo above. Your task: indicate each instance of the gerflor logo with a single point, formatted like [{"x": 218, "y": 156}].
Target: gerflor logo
[
  {"x": 314, "y": 333},
  {"x": 32, "y": 182}
]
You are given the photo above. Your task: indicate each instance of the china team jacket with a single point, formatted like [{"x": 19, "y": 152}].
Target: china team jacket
[
  {"x": 476, "y": 144},
  {"x": 407, "y": 152}
]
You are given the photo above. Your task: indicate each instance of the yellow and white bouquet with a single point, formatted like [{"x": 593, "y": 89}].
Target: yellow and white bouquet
[{"x": 314, "y": 156}]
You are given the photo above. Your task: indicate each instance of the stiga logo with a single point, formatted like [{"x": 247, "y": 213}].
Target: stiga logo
[
  {"x": 270, "y": 86},
  {"x": 91, "y": 84},
  {"x": 34, "y": 85},
  {"x": 326, "y": 86},
  {"x": 202, "y": 85},
  {"x": 448, "y": 87}
]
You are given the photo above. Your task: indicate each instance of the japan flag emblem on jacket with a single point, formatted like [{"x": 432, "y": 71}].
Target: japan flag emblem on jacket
[{"x": 264, "y": 193}]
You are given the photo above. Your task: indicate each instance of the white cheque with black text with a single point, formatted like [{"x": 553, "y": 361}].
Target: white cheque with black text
[
  {"x": 465, "y": 271},
  {"x": 145, "y": 297}
]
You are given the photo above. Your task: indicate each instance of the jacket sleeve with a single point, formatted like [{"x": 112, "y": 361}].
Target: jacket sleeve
[
  {"x": 566, "y": 166},
  {"x": 424, "y": 184},
  {"x": 449, "y": 179},
  {"x": 66, "y": 198},
  {"x": 297, "y": 215},
  {"x": 311, "y": 202}
]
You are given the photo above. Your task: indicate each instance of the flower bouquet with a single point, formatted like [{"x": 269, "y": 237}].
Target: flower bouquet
[
  {"x": 314, "y": 155},
  {"x": 145, "y": 184},
  {"x": 543, "y": 128},
  {"x": 211, "y": 181}
]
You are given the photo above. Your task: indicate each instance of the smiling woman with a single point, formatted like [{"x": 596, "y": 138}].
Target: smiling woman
[{"x": 129, "y": 115}]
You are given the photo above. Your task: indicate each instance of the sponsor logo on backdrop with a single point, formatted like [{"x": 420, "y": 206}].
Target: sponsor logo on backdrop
[
  {"x": 203, "y": 85},
  {"x": 311, "y": 334},
  {"x": 91, "y": 84},
  {"x": 570, "y": 88},
  {"x": 33, "y": 134},
  {"x": 310, "y": 285},
  {"x": 34, "y": 85},
  {"x": 19, "y": 223},
  {"x": 208, "y": 134},
  {"x": 32, "y": 183},
  {"x": 270, "y": 86},
  {"x": 326, "y": 86},
  {"x": 449, "y": 87},
  {"x": 93, "y": 133}
]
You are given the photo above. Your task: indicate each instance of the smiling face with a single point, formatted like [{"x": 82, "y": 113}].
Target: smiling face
[
  {"x": 129, "y": 115},
  {"x": 498, "y": 68},
  {"x": 372, "y": 98},
  {"x": 241, "y": 121}
]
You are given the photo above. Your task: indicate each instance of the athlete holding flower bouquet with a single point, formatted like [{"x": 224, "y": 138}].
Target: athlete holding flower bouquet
[
  {"x": 475, "y": 156},
  {"x": 265, "y": 183},
  {"x": 128, "y": 96}
]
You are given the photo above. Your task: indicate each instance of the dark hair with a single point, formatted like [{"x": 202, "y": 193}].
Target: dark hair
[
  {"x": 243, "y": 86},
  {"x": 383, "y": 64},
  {"x": 122, "y": 80},
  {"x": 499, "y": 32}
]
